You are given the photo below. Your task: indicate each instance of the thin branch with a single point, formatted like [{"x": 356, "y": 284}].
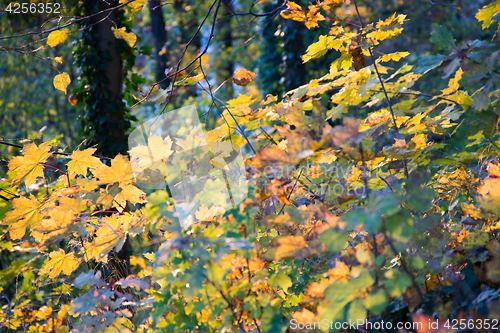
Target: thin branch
[
  {"x": 70, "y": 22},
  {"x": 290, "y": 194},
  {"x": 418, "y": 94},
  {"x": 405, "y": 267},
  {"x": 383, "y": 86}
]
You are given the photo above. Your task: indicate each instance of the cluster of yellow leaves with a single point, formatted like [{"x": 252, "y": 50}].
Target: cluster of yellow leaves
[
  {"x": 293, "y": 247},
  {"x": 489, "y": 193},
  {"x": 120, "y": 172},
  {"x": 62, "y": 209},
  {"x": 112, "y": 233},
  {"x": 295, "y": 12},
  {"x": 396, "y": 56}
]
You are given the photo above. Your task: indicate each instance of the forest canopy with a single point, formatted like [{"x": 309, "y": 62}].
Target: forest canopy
[{"x": 249, "y": 166}]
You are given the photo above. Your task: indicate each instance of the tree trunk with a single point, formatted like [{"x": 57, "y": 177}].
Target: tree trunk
[
  {"x": 106, "y": 114},
  {"x": 294, "y": 48},
  {"x": 224, "y": 35},
  {"x": 159, "y": 40},
  {"x": 105, "y": 119}
]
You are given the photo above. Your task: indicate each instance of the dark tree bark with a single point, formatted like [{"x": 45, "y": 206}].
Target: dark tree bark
[
  {"x": 293, "y": 49},
  {"x": 105, "y": 119},
  {"x": 159, "y": 39},
  {"x": 188, "y": 22},
  {"x": 225, "y": 40},
  {"x": 105, "y": 122},
  {"x": 271, "y": 54}
]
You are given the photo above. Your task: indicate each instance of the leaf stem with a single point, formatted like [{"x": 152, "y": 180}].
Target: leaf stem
[{"x": 383, "y": 87}]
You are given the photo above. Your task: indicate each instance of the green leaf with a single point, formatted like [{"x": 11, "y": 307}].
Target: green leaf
[
  {"x": 397, "y": 282},
  {"x": 475, "y": 239},
  {"x": 281, "y": 280},
  {"x": 335, "y": 241},
  {"x": 477, "y": 139},
  {"x": 376, "y": 301},
  {"x": 429, "y": 62},
  {"x": 355, "y": 311},
  {"x": 272, "y": 321},
  {"x": 442, "y": 37}
]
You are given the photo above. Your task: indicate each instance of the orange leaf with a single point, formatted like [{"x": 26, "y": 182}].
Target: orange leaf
[
  {"x": 242, "y": 77},
  {"x": 293, "y": 247}
]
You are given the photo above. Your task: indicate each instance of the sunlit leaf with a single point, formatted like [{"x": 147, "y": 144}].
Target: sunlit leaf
[
  {"x": 29, "y": 166},
  {"x": 61, "y": 82},
  {"x": 122, "y": 33},
  {"x": 81, "y": 160},
  {"x": 57, "y": 37},
  {"x": 60, "y": 262}
]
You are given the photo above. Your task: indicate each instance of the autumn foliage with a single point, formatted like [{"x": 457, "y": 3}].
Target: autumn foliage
[{"x": 348, "y": 217}]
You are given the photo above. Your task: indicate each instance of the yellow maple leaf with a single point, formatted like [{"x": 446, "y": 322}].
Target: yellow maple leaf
[
  {"x": 420, "y": 141},
  {"x": 57, "y": 37},
  {"x": 396, "y": 56},
  {"x": 59, "y": 60},
  {"x": 29, "y": 166},
  {"x": 393, "y": 20},
  {"x": 129, "y": 193},
  {"x": 111, "y": 234},
  {"x": 58, "y": 224},
  {"x": 23, "y": 214},
  {"x": 242, "y": 77},
  {"x": 122, "y": 33},
  {"x": 81, "y": 160},
  {"x": 61, "y": 82},
  {"x": 60, "y": 262},
  {"x": 453, "y": 83},
  {"x": 203, "y": 213},
  {"x": 120, "y": 172},
  {"x": 157, "y": 150},
  {"x": 354, "y": 175},
  {"x": 214, "y": 135},
  {"x": 313, "y": 17}
]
